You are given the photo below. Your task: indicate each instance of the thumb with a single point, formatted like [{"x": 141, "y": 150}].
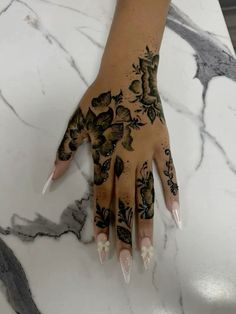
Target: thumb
[{"x": 72, "y": 139}]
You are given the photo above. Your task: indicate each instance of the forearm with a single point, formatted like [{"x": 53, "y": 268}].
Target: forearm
[{"x": 136, "y": 24}]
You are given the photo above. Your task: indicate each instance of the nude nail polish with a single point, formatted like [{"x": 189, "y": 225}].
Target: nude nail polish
[
  {"x": 48, "y": 182},
  {"x": 146, "y": 252},
  {"x": 102, "y": 247},
  {"x": 176, "y": 214},
  {"x": 126, "y": 264}
]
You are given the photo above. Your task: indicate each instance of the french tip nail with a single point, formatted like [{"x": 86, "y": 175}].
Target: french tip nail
[
  {"x": 126, "y": 264},
  {"x": 176, "y": 215},
  {"x": 102, "y": 247},
  {"x": 48, "y": 183},
  {"x": 146, "y": 252}
]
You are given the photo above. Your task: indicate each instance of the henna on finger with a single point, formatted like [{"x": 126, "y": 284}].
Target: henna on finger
[
  {"x": 69, "y": 142},
  {"x": 102, "y": 217},
  {"x": 168, "y": 172},
  {"x": 145, "y": 185},
  {"x": 125, "y": 215}
]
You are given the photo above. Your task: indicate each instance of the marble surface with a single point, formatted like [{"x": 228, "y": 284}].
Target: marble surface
[{"x": 50, "y": 52}]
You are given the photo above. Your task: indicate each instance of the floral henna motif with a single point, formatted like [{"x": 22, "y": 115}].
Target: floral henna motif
[
  {"x": 146, "y": 189},
  {"x": 102, "y": 217},
  {"x": 169, "y": 173},
  {"x": 103, "y": 133},
  {"x": 125, "y": 214},
  {"x": 105, "y": 129},
  {"x": 145, "y": 88}
]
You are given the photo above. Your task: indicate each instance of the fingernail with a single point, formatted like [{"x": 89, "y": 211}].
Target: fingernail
[
  {"x": 48, "y": 182},
  {"x": 102, "y": 246},
  {"x": 146, "y": 252},
  {"x": 176, "y": 214},
  {"x": 126, "y": 264}
]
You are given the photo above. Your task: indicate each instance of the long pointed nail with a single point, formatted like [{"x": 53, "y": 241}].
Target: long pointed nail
[
  {"x": 126, "y": 264},
  {"x": 48, "y": 182},
  {"x": 146, "y": 252},
  {"x": 102, "y": 247},
  {"x": 176, "y": 215}
]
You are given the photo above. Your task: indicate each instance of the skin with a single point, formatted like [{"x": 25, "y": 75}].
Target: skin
[{"x": 122, "y": 116}]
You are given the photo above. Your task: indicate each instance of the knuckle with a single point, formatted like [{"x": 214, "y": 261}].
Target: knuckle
[{"x": 127, "y": 195}]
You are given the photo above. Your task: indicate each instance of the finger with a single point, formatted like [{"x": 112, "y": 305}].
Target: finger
[
  {"x": 145, "y": 196},
  {"x": 166, "y": 170},
  {"x": 103, "y": 188},
  {"x": 73, "y": 137},
  {"x": 124, "y": 205}
]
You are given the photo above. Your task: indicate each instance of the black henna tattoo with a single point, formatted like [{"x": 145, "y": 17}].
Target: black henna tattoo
[
  {"x": 101, "y": 171},
  {"x": 145, "y": 186},
  {"x": 102, "y": 217},
  {"x": 75, "y": 126},
  {"x": 125, "y": 215},
  {"x": 124, "y": 235},
  {"x": 106, "y": 129},
  {"x": 119, "y": 166},
  {"x": 103, "y": 133},
  {"x": 145, "y": 88},
  {"x": 169, "y": 173}
]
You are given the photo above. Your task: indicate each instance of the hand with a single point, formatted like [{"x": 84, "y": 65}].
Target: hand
[{"x": 122, "y": 117}]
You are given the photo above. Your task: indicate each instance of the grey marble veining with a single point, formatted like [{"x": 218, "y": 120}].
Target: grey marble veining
[{"x": 17, "y": 289}]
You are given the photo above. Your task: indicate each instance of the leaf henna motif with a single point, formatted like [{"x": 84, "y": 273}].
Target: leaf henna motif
[
  {"x": 103, "y": 100},
  {"x": 119, "y": 166},
  {"x": 127, "y": 139},
  {"x": 102, "y": 217},
  {"x": 124, "y": 235},
  {"x": 125, "y": 214}
]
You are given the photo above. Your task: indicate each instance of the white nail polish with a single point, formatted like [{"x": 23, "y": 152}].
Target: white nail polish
[
  {"x": 176, "y": 214},
  {"x": 126, "y": 264},
  {"x": 146, "y": 252},
  {"x": 102, "y": 246},
  {"x": 48, "y": 183}
]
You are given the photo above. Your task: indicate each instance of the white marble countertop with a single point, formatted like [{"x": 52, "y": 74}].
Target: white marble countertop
[{"x": 50, "y": 52}]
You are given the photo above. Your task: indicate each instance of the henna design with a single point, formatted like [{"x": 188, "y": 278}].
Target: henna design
[
  {"x": 103, "y": 100},
  {"x": 75, "y": 126},
  {"x": 124, "y": 235},
  {"x": 119, "y": 166},
  {"x": 145, "y": 88},
  {"x": 102, "y": 219},
  {"x": 169, "y": 173},
  {"x": 101, "y": 171},
  {"x": 103, "y": 133},
  {"x": 125, "y": 216},
  {"x": 146, "y": 189}
]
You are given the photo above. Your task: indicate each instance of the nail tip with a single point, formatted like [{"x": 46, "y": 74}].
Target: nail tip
[
  {"x": 177, "y": 219},
  {"x": 126, "y": 275},
  {"x": 47, "y": 184},
  {"x": 126, "y": 265},
  {"x": 46, "y": 187}
]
